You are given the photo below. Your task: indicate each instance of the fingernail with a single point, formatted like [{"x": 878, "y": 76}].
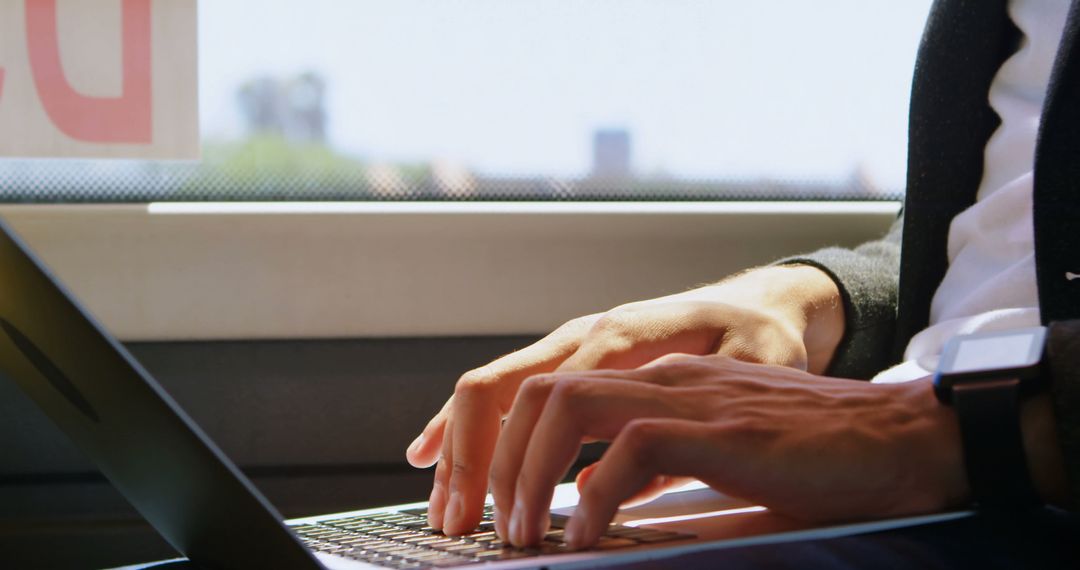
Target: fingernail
[
  {"x": 453, "y": 511},
  {"x": 415, "y": 444}
]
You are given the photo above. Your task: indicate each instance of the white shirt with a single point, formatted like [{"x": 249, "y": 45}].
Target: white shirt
[{"x": 990, "y": 284}]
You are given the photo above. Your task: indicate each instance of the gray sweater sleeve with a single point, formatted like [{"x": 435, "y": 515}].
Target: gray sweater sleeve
[{"x": 868, "y": 277}]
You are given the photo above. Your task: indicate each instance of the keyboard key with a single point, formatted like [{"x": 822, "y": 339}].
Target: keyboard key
[
  {"x": 465, "y": 548},
  {"x": 547, "y": 548},
  {"x": 355, "y": 540},
  {"x": 422, "y": 540},
  {"x": 660, "y": 536},
  {"x": 381, "y": 516},
  {"x": 417, "y": 523},
  {"x": 482, "y": 535},
  {"x": 447, "y": 545},
  {"x": 608, "y": 543},
  {"x": 360, "y": 525},
  {"x": 450, "y": 562},
  {"x": 555, "y": 535}
]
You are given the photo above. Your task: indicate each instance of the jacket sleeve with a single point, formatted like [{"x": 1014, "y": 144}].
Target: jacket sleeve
[
  {"x": 1063, "y": 372},
  {"x": 867, "y": 277}
]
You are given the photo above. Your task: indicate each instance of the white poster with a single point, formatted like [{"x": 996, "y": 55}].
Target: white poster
[{"x": 99, "y": 78}]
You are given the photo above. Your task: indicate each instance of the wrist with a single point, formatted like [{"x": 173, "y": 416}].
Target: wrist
[
  {"x": 942, "y": 443},
  {"x": 805, "y": 298},
  {"x": 1045, "y": 461},
  {"x": 1011, "y": 452},
  {"x": 1041, "y": 448}
]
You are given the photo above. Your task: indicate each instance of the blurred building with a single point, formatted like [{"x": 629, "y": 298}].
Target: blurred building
[
  {"x": 292, "y": 108},
  {"x": 611, "y": 153}
]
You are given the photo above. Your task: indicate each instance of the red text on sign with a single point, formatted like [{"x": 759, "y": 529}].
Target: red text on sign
[{"x": 123, "y": 119}]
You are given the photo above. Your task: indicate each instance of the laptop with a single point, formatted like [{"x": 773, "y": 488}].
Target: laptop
[{"x": 184, "y": 486}]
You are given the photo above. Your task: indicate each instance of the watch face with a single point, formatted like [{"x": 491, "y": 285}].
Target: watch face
[{"x": 1007, "y": 350}]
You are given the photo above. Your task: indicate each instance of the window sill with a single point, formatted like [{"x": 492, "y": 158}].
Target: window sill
[{"x": 187, "y": 271}]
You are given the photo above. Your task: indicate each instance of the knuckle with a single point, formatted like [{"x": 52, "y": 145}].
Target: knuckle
[
  {"x": 461, "y": 468},
  {"x": 642, "y": 430},
  {"x": 681, "y": 367},
  {"x": 708, "y": 311},
  {"x": 617, "y": 322},
  {"x": 744, "y": 352},
  {"x": 592, "y": 495},
  {"x": 568, "y": 390},
  {"x": 722, "y": 360},
  {"x": 481, "y": 375},
  {"x": 536, "y": 385},
  {"x": 611, "y": 335},
  {"x": 578, "y": 324},
  {"x": 642, "y": 438},
  {"x": 477, "y": 381},
  {"x": 747, "y": 425},
  {"x": 674, "y": 359}
]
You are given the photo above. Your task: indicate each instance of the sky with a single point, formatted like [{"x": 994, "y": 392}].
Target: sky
[{"x": 780, "y": 89}]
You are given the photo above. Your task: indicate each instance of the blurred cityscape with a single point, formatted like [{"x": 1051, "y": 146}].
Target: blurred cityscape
[{"x": 284, "y": 155}]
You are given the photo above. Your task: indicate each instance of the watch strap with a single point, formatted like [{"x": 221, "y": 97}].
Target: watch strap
[{"x": 997, "y": 469}]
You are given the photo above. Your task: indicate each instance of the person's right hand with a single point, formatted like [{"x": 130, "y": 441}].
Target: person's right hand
[{"x": 788, "y": 315}]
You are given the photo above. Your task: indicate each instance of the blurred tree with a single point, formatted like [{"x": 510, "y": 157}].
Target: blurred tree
[{"x": 293, "y": 108}]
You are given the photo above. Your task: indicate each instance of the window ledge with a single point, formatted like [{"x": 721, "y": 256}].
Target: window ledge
[{"x": 200, "y": 271}]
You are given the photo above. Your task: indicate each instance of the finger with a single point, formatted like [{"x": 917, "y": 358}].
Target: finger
[
  {"x": 439, "y": 489},
  {"x": 650, "y": 491},
  {"x": 514, "y": 439},
  {"x": 510, "y": 448},
  {"x": 510, "y": 370},
  {"x": 576, "y": 408},
  {"x": 584, "y": 475},
  {"x": 482, "y": 396},
  {"x": 426, "y": 449},
  {"x": 476, "y": 423},
  {"x": 658, "y": 486},
  {"x": 643, "y": 450}
]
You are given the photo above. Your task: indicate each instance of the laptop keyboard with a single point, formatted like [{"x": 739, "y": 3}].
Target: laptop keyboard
[{"x": 403, "y": 539}]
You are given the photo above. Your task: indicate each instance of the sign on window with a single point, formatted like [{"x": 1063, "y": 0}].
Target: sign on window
[{"x": 98, "y": 78}]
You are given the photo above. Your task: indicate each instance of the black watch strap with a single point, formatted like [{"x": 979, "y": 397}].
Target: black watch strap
[{"x": 989, "y": 414}]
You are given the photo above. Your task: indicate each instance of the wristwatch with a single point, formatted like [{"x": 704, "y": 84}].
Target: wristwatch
[{"x": 984, "y": 377}]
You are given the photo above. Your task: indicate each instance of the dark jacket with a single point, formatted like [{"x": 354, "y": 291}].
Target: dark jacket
[{"x": 887, "y": 285}]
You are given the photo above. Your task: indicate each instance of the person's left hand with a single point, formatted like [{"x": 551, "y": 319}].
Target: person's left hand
[{"x": 807, "y": 446}]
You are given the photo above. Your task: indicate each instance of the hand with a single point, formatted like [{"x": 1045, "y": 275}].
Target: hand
[
  {"x": 787, "y": 316},
  {"x": 806, "y": 446}
]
